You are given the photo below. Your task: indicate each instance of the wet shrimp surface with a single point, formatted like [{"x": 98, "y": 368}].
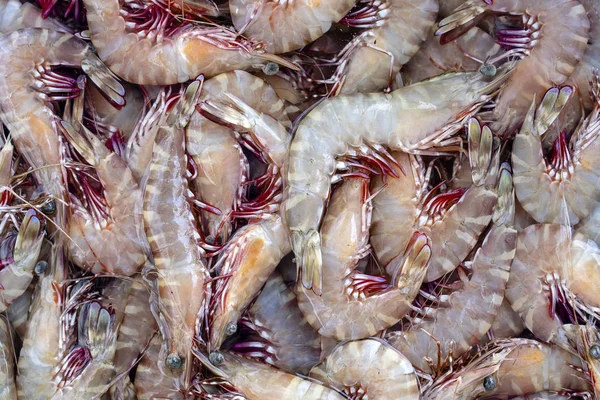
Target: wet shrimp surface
[{"x": 296, "y": 199}]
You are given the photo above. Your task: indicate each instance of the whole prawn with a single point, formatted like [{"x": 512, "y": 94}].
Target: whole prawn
[
  {"x": 552, "y": 41},
  {"x": 348, "y": 295},
  {"x": 173, "y": 55},
  {"x": 412, "y": 119}
]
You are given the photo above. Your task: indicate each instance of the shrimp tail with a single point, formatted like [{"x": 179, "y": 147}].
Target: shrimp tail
[
  {"x": 414, "y": 262},
  {"x": 457, "y": 24},
  {"x": 98, "y": 329},
  {"x": 185, "y": 107},
  {"x": 29, "y": 240},
  {"x": 235, "y": 114},
  {"x": 85, "y": 142},
  {"x": 480, "y": 150},
  {"x": 538, "y": 122},
  {"x": 104, "y": 78},
  {"x": 308, "y": 245},
  {"x": 504, "y": 213}
]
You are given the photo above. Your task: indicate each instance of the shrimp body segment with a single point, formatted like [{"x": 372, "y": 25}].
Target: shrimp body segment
[
  {"x": 369, "y": 368},
  {"x": 409, "y": 119},
  {"x": 15, "y": 15},
  {"x": 8, "y": 390}
]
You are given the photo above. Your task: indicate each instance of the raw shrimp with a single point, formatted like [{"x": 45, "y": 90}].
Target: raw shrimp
[
  {"x": 354, "y": 305},
  {"x": 467, "y": 53},
  {"x": 584, "y": 340},
  {"x": 548, "y": 287},
  {"x": 222, "y": 167},
  {"x": 27, "y": 84},
  {"x": 467, "y": 211},
  {"x": 150, "y": 381},
  {"x": 105, "y": 227},
  {"x": 15, "y": 15},
  {"x": 412, "y": 119},
  {"x": 396, "y": 30},
  {"x": 259, "y": 381},
  {"x": 507, "y": 324},
  {"x": 283, "y": 26},
  {"x": 8, "y": 390},
  {"x": 564, "y": 190},
  {"x": 16, "y": 275},
  {"x": 18, "y": 312},
  {"x": 86, "y": 370},
  {"x": 369, "y": 369},
  {"x": 553, "y": 41},
  {"x": 254, "y": 251},
  {"x": 173, "y": 56},
  {"x": 280, "y": 335},
  {"x": 468, "y": 312},
  {"x": 173, "y": 237}
]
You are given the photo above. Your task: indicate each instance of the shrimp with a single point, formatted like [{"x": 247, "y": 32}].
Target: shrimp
[
  {"x": 558, "y": 191},
  {"x": 444, "y": 331},
  {"x": 374, "y": 57},
  {"x": 552, "y": 41},
  {"x": 151, "y": 383},
  {"x": 105, "y": 227},
  {"x": 284, "y": 27},
  {"x": 255, "y": 250},
  {"x": 174, "y": 55},
  {"x": 259, "y": 381},
  {"x": 539, "y": 287},
  {"x": 369, "y": 368},
  {"x": 173, "y": 237},
  {"x": 88, "y": 367},
  {"x": 467, "y": 53},
  {"x": 507, "y": 324},
  {"x": 368, "y": 301},
  {"x": 222, "y": 167},
  {"x": 15, "y": 15},
  {"x": 18, "y": 311},
  {"x": 584, "y": 340},
  {"x": 16, "y": 276},
  {"x": 412, "y": 119},
  {"x": 281, "y": 336},
  {"x": 8, "y": 390}
]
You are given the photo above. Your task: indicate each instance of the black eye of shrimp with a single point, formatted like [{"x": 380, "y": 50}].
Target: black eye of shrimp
[
  {"x": 488, "y": 70},
  {"x": 595, "y": 351},
  {"x": 489, "y": 383},
  {"x": 49, "y": 207},
  {"x": 174, "y": 361}
]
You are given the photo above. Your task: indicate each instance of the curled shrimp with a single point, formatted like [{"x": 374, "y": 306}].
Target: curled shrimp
[
  {"x": 17, "y": 274},
  {"x": 173, "y": 237},
  {"x": 283, "y": 26},
  {"x": 371, "y": 303},
  {"x": 17, "y": 15},
  {"x": 279, "y": 333},
  {"x": 173, "y": 55},
  {"x": 369, "y": 368},
  {"x": 560, "y": 190},
  {"x": 8, "y": 390},
  {"x": 412, "y": 119},
  {"x": 259, "y": 381},
  {"x": 445, "y": 331},
  {"x": 552, "y": 42}
]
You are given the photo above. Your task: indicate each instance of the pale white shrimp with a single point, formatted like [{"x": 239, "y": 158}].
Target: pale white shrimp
[
  {"x": 15, "y": 15},
  {"x": 284, "y": 26},
  {"x": 462, "y": 317},
  {"x": 563, "y": 190},
  {"x": 172, "y": 55},
  {"x": 552, "y": 41},
  {"x": 8, "y": 389},
  {"x": 413, "y": 119},
  {"x": 354, "y": 305}
]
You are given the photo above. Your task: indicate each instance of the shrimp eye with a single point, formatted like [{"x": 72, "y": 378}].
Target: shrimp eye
[
  {"x": 488, "y": 70},
  {"x": 174, "y": 361},
  {"x": 49, "y": 207},
  {"x": 215, "y": 358},
  {"x": 231, "y": 328},
  {"x": 489, "y": 383},
  {"x": 271, "y": 68},
  {"x": 40, "y": 267},
  {"x": 595, "y": 351}
]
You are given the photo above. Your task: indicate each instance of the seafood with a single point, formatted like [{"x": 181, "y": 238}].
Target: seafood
[
  {"x": 104, "y": 227},
  {"x": 175, "y": 55},
  {"x": 18, "y": 312},
  {"x": 280, "y": 334},
  {"x": 8, "y": 390},
  {"x": 171, "y": 230},
  {"x": 369, "y": 368},
  {"x": 466, "y": 314},
  {"x": 348, "y": 295},
  {"x": 152, "y": 384},
  {"x": 258, "y": 381},
  {"x": 16, "y": 276},
  {"x": 559, "y": 191},
  {"x": 507, "y": 323},
  {"x": 584, "y": 340},
  {"x": 552, "y": 290},
  {"x": 15, "y": 15},
  {"x": 283, "y": 26},
  {"x": 411, "y": 119},
  {"x": 552, "y": 42}
]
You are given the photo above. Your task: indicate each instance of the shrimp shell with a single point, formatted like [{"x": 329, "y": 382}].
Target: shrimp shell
[
  {"x": 8, "y": 390},
  {"x": 15, "y": 15}
]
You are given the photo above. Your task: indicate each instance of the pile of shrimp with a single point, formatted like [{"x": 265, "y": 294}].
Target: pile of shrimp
[{"x": 316, "y": 200}]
